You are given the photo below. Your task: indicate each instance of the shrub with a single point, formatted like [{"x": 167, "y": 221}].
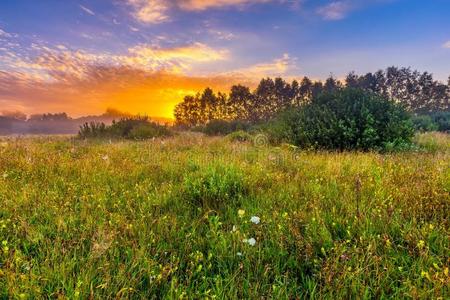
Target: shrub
[
  {"x": 424, "y": 123},
  {"x": 222, "y": 127},
  {"x": 129, "y": 128},
  {"x": 277, "y": 130},
  {"x": 349, "y": 119},
  {"x": 239, "y": 136},
  {"x": 215, "y": 187},
  {"x": 92, "y": 130},
  {"x": 146, "y": 131},
  {"x": 437, "y": 121},
  {"x": 442, "y": 119}
]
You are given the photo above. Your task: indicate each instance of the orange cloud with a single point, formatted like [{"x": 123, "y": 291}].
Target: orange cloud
[
  {"x": 150, "y": 11},
  {"x": 145, "y": 79},
  {"x": 125, "y": 88}
]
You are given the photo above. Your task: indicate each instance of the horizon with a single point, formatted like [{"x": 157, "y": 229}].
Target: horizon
[{"x": 144, "y": 56}]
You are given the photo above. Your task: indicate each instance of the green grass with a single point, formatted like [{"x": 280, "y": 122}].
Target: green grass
[{"x": 160, "y": 219}]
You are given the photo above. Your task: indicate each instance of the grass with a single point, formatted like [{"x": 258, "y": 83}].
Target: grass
[{"x": 171, "y": 219}]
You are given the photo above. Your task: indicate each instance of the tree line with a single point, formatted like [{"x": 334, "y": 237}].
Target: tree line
[{"x": 417, "y": 92}]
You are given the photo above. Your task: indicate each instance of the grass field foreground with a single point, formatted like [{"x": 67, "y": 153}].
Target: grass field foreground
[{"x": 199, "y": 217}]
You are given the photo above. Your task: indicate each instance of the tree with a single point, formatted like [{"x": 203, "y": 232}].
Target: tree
[
  {"x": 306, "y": 91},
  {"x": 352, "y": 80},
  {"x": 241, "y": 102},
  {"x": 331, "y": 85}
]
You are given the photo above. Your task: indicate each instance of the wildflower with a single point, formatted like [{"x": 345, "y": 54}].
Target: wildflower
[
  {"x": 420, "y": 244},
  {"x": 388, "y": 243},
  {"x": 239, "y": 254},
  {"x": 234, "y": 228},
  {"x": 250, "y": 241},
  {"x": 285, "y": 215},
  {"x": 105, "y": 157},
  {"x": 425, "y": 274},
  {"x": 5, "y": 175},
  {"x": 241, "y": 213},
  {"x": 255, "y": 220}
]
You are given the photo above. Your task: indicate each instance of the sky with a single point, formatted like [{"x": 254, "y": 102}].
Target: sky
[{"x": 144, "y": 56}]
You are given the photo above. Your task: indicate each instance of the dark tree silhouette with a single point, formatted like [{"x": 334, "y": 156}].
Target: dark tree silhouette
[{"x": 417, "y": 92}]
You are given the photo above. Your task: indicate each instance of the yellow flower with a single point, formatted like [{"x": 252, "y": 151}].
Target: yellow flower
[
  {"x": 241, "y": 213},
  {"x": 388, "y": 243},
  {"x": 425, "y": 275},
  {"x": 420, "y": 244}
]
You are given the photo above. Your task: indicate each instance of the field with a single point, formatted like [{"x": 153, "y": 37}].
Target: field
[{"x": 200, "y": 217}]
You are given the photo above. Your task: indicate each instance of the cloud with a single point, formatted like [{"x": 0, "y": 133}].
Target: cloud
[
  {"x": 158, "y": 11},
  {"x": 4, "y": 33},
  {"x": 87, "y": 10},
  {"x": 122, "y": 87},
  {"x": 150, "y": 11},
  {"x": 336, "y": 10},
  {"x": 446, "y": 45},
  {"x": 207, "y": 4},
  {"x": 222, "y": 35},
  {"x": 176, "y": 58},
  {"x": 59, "y": 62},
  {"x": 277, "y": 67},
  {"x": 144, "y": 79}
]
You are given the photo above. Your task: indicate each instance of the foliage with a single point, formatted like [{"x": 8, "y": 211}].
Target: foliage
[
  {"x": 93, "y": 130},
  {"x": 417, "y": 92},
  {"x": 424, "y": 123},
  {"x": 438, "y": 121},
  {"x": 348, "y": 119},
  {"x": 239, "y": 136},
  {"x": 137, "y": 128},
  {"x": 221, "y": 127},
  {"x": 92, "y": 220},
  {"x": 215, "y": 187}
]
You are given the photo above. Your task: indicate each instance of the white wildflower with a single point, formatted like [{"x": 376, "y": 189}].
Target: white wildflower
[
  {"x": 255, "y": 220},
  {"x": 250, "y": 241}
]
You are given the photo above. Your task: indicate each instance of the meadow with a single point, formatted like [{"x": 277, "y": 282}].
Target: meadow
[{"x": 206, "y": 217}]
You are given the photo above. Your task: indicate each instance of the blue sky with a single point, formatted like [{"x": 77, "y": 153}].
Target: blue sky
[{"x": 78, "y": 45}]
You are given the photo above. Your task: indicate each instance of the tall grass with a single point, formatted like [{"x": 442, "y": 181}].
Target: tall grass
[{"x": 171, "y": 219}]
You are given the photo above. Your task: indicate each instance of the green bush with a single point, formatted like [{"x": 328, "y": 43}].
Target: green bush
[
  {"x": 92, "y": 130},
  {"x": 239, "y": 136},
  {"x": 215, "y": 187},
  {"x": 424, "y": 123},
  {"x": 222, "y": 127},
  {"x": 442, "y": 119},
  {"x": 129, "y": 128},
  {"x": 349, "y": 119},
  {"x": 146, "y": 131},
  {"x": 437, "y": 121}
]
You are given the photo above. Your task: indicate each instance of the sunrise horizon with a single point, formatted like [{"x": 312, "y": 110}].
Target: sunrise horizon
[{"x": 145, "y": 56}]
